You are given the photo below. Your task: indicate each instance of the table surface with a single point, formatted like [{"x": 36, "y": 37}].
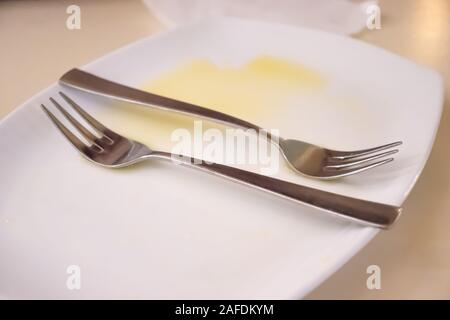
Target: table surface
[{"x": 413, "y": 256}]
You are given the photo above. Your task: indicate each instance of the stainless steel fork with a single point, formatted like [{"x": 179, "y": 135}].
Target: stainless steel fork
[
  {"x": 109, "y": 149},
  {"x": 305, "y": 158}
]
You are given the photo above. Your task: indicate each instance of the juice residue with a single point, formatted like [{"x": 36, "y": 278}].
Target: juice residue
[
  {"x": 253, "y": 91},
  {"x": 257, "y": 86}
]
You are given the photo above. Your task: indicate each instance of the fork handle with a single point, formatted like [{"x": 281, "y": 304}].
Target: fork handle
[
  {"x": 365, "y": 212},
  {"x": 88, "y": 82}
]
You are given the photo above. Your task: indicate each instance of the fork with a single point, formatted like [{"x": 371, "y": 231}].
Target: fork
[
  {"x": 107, "y": 148},
  {"x": 304, "y": 158}
]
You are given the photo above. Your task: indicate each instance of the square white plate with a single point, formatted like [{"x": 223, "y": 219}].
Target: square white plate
[{"x": 165, "y": 231}]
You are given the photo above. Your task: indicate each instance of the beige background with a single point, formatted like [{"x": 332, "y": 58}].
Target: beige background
[{"x": 414, "y": 256}]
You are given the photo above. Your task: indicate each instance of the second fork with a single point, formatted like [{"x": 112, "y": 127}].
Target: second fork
[
  {"x": 109, "y": 149},
  {"x": 305, "y": 158}
]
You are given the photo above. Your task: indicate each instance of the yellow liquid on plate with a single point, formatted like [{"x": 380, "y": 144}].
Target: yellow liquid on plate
[{"x": 253, "y": 91}]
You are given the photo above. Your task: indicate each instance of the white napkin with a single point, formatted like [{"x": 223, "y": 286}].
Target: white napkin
[{"x": 339, "y": 16}]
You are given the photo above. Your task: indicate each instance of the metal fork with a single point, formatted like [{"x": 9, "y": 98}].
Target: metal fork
[
  {"x": 305, "y": 158},
  {"x": 109, "y": 149}
]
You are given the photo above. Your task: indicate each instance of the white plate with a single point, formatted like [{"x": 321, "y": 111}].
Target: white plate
[{"x": 164, "y": 231}]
